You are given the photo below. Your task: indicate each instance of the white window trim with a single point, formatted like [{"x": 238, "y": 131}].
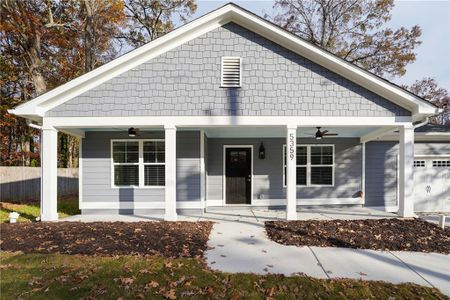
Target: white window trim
[
  {"x": 309, "y": 165},
  {"x": 240, "y": 72},
  {"x": 140, "y": 165}
]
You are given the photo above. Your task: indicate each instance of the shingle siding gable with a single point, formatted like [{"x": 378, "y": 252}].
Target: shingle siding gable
[{"x": 186, "y": 82}]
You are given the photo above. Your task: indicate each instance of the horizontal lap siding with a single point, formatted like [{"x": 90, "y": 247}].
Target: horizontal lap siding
[
  {"x": 268, "y": 172},
  {"x": 188, "y": 166},
  {"x": 381, "y": 173},
  {"x": 347, "y": 174},
  {"x": 382, "y": 165},
  {"x": 96, "y": 164},
  {"x": 438, "y": 148}
]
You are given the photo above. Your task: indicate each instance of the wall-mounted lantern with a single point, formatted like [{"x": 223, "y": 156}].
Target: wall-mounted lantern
[
  {"x": 132, "y": 132},
  {"x": 262, "y": 151}
]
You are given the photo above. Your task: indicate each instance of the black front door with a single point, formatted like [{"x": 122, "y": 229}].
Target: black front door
[{"x": 238, "y": 176}]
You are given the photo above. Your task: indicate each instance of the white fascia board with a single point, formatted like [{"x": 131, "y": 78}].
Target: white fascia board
[
  {"x": 220, "y": 121},
  {"x": 204, "y": 24}
]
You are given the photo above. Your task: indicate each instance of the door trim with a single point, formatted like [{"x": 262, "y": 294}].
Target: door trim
[{"x": 224, "y": 190}]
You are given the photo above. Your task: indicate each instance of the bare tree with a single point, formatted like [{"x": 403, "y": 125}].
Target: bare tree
[
  {"x": 149, "y": 19},
  {"x": 355, "y": 30},
  {"x": 428, "y": 89}
]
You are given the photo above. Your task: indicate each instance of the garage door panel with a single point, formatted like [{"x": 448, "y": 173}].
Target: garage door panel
[{"x": 431, "y": 185}]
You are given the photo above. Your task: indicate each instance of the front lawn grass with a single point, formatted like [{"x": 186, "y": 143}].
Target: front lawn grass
[
  {"x": 56, "y": 276},
  {"x": 29, "y": 211}
]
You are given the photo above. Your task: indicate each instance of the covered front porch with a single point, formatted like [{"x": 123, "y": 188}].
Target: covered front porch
[{"x": 195, "y": 167}]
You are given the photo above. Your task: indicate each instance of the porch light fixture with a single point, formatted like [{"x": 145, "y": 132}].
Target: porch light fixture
[
  {"x": 262, "y": 151},
  {"x": 132, "y": 132},
  {"x": 318, "y": 134}
]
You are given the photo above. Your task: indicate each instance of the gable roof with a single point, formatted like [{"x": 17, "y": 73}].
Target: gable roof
[{"x": 35, "y": 109}]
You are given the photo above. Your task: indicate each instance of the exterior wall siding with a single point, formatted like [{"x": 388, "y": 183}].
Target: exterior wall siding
[
  {"x": 96, "y": 170},
  {"x": 268, "y": 173},
  {"x": 186, "y": 82},
  {"x": 381, "y": 169},
  {"x": 437, "y": 148},
  {"x": 381, "y": 173}
]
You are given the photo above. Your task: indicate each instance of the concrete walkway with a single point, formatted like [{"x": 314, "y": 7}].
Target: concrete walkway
[{"x": 238, "y": 243}]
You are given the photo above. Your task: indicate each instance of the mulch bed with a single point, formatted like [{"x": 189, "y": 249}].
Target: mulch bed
[
  {"x": 377, "y": 234},
  {"x": 169, "y": 239}
]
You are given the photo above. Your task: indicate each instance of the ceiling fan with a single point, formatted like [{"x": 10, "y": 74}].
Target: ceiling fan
[{"x": 320, "y": 134}]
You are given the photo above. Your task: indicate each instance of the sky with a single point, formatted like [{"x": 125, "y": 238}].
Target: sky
[{"x": 433, "y": 55}]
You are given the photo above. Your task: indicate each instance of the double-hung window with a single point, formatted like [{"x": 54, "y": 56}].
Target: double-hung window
[
  {"x": 138, "y": 163},
  {"x": 314, "y": 165}
]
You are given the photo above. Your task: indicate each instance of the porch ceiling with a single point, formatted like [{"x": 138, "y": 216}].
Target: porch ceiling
[
  {"x": 268, "y": 132},
  {"x": 246, "y": 131}
]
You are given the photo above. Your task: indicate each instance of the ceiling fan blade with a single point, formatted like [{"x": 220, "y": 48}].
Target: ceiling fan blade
[
  {"x": 324, "y": 132},
  {"x": 331, "y": 134}
]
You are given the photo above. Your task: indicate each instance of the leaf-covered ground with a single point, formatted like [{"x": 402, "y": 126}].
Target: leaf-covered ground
[
  {"x": 376, "y": 234},
  {"x": 170, "y": 239},
  {"x": 29, "y": 210},
  {"x": 55, "y": 276}
]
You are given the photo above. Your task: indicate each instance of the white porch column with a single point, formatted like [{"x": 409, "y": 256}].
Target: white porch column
[
  {"x": 291, "y": 173},
  {"x": 171, "y": 173},
  {"x": 49, "y": 174},
  {"x": 406, "y": 175}
]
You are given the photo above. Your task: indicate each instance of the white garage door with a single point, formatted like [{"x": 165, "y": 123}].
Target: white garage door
[{"x": 432, "y": 184}]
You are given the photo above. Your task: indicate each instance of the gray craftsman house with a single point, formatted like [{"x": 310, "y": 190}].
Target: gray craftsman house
[{"x": 231, "y": 110}]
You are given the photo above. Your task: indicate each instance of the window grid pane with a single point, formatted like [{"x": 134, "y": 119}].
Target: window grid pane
[
  {"x": 154, "y": 175},
  {"x": 321, "y": 155},
  {"x": 301, "y": 175},
  {"x": 154, "y": 152},
  {"x": 126, "y": 175},
  {"x": 126, "y": 152},
  {"x": 322, "y": 175},
  {"x": 302, "y": 156}
]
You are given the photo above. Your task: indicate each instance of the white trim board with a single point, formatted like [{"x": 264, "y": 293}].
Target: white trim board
[
  {"x": 138, "y": 205},
  {"x": 300, "y": 202},
  {"x": 228, "y": 13},
  {"x": 157, "y": 122}
]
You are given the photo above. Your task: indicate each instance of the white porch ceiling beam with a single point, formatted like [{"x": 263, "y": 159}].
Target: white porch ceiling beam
[
  {"x": 218, "y": 121},
  {"x": 376, "y": 133},
  {"x": 73, "y": 131}
]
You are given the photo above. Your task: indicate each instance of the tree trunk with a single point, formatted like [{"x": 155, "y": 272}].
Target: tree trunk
[
  {"x": 34, "y": 54},
  {"x": 89, "y": 36}
]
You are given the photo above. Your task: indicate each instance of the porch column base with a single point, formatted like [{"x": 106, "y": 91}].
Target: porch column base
[
  {"x": 406, "y": 175},
  {"x": 291, "y": 173},
  {"x": 171, "y": 173},
  {"x": 49, "y": 174}
]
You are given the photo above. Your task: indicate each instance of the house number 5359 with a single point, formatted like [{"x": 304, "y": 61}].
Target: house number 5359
[{"x": 291, "y": 146}]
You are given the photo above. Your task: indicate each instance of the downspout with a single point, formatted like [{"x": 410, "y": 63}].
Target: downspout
[{"x": 424, "y": 122}]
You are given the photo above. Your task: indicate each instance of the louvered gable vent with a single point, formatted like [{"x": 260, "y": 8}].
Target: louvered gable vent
[{"x": 231, "y": 72}]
